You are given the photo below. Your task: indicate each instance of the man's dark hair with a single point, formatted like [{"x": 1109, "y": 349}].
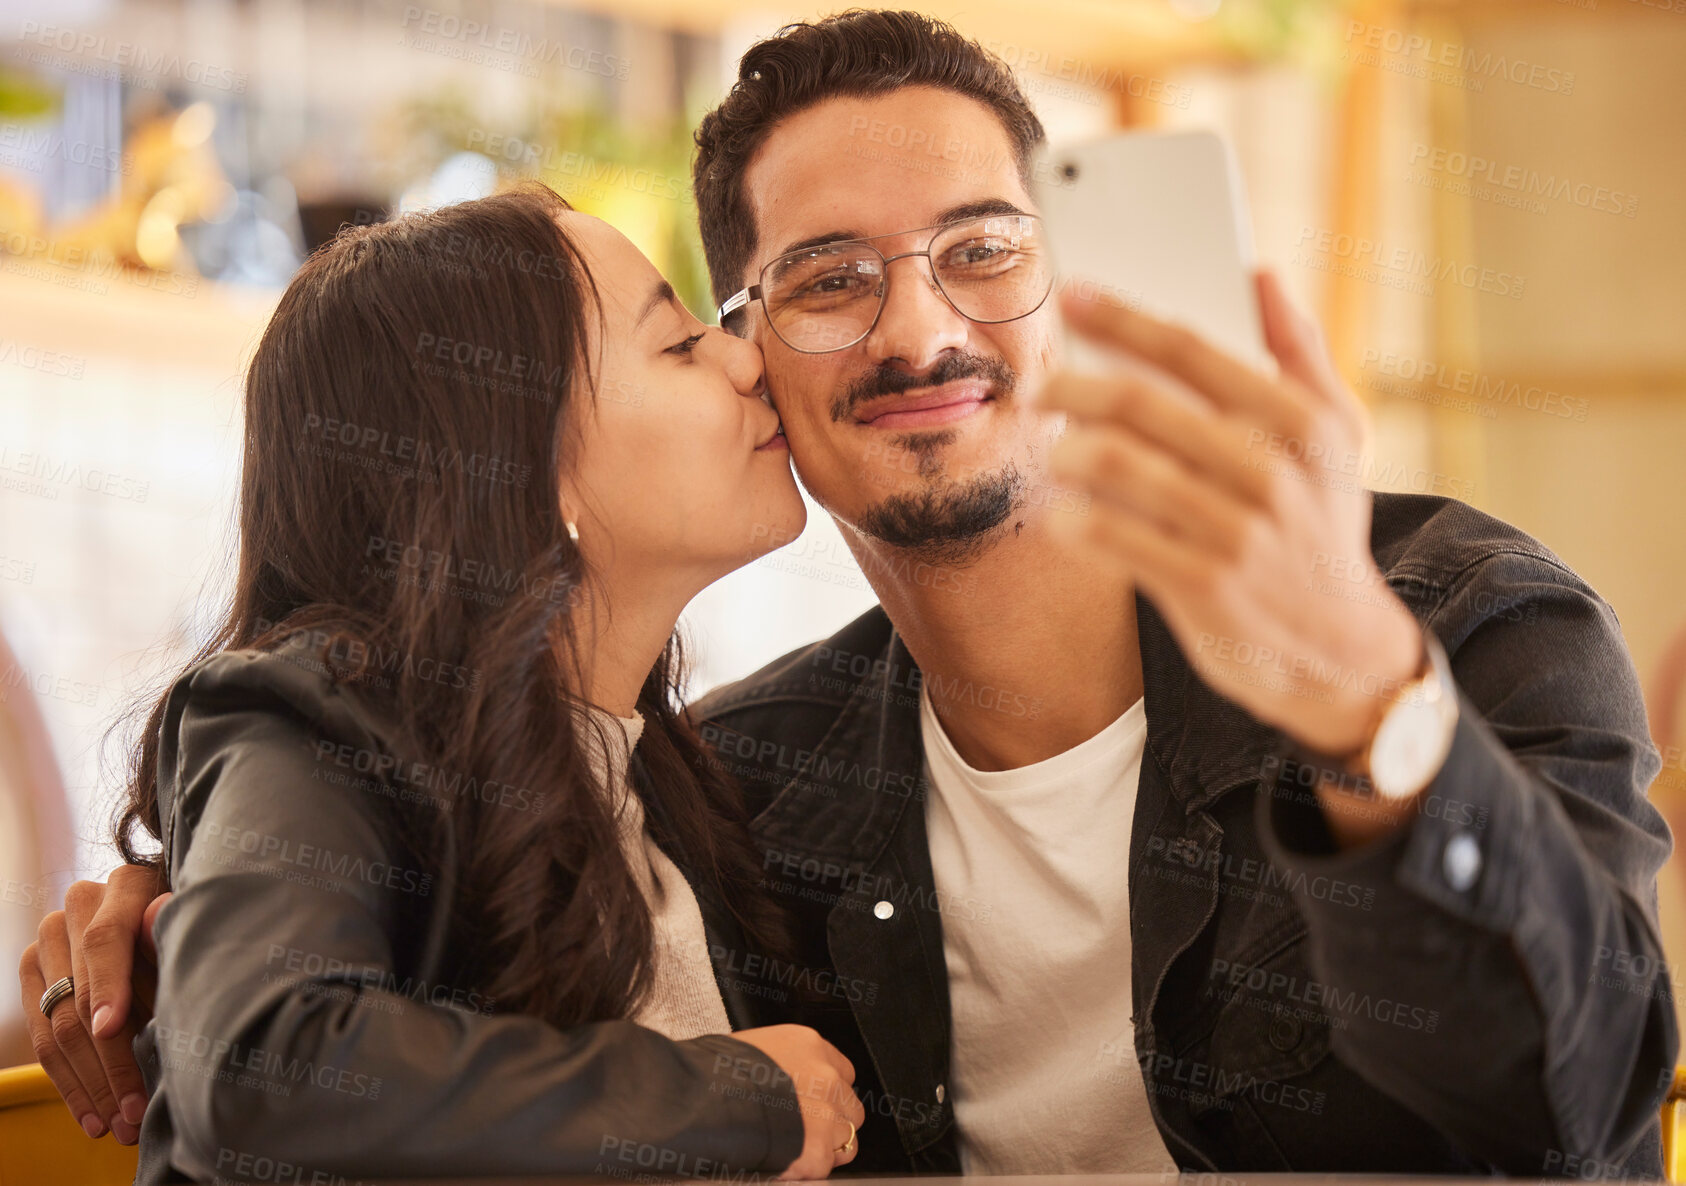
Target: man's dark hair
[{"x": 858, "y": 52}]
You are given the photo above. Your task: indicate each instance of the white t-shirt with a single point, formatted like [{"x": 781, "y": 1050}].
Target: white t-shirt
[{"x": 1044, "y": 1071}]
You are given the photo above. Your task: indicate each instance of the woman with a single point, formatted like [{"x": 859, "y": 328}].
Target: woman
[{"x": 427, "y": 915}]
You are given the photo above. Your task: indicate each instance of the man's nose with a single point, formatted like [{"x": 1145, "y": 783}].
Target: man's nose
[
  {"x": 917, "y": 324},
  {"x": 745, "y": 367}
]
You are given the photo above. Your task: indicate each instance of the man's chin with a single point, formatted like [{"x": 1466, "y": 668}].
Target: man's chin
[{"x": 951, "y": 522}]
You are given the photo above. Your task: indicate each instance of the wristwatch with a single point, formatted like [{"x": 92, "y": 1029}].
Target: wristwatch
[{"x": 1410, "y": 741}]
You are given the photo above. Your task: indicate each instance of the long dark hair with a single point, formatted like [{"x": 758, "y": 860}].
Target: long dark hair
[{"x": 407, "y": 417}]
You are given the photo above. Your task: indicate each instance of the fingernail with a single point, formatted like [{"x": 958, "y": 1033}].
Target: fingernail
[
  {"x": 125, "y": 1132},
  {"x": 101, "y": 1016},
  {"x": 134, "y": 1107},
  {"x": 93, "y": 1125}
]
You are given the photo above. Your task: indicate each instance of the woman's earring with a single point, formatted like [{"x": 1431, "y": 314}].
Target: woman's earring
[{"x": 573, "y": 532}]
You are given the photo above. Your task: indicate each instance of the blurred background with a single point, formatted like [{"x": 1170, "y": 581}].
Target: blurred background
[{"x": 1483, "y": 202}]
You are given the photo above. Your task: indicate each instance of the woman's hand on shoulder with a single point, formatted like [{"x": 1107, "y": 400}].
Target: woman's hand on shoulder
[
  {"x": 824, "y": 1082},
  {"x": 102, "y": 940}
]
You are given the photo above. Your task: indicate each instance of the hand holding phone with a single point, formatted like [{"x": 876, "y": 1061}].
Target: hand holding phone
[{"x": 1157, "y": 220}]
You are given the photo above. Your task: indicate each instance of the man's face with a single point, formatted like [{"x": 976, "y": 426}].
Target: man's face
[{"x": 941, "y": 478}]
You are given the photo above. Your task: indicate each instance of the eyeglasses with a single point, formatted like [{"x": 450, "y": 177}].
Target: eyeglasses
[{"x": 819, "y": 299}]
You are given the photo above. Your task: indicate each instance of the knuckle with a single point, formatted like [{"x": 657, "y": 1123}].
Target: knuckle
[
  {"x": 1125, "y": 396},
  {"x": 66, "y": 1026},
  {"x": 83, "y": 895},
  {"x": 1253, "y": 537},
  {"x": 141, "y": 875},
  {"x": 103, "y": 932},
  {"x": 1111, "y": 461},
  {"x": 1275, "y": 497},
  {"x": 1206, "y": 583},
  {"x": 52, "y": 925},
  {"x": 1178, "y": 345},
  {"x": 30, "y": 962}
]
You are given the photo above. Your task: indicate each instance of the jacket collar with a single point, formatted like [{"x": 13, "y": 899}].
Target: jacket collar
[
  {"x": 1206, "y": 745},
  {"x": 837, "y": 802}
]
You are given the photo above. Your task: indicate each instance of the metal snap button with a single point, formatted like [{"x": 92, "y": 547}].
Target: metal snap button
[
  {"x": 883, "y": 910},
  {"x": 1285, "y": 1031},
  {"x": 1461, "y": 862},
  {"x": 940, "y": 1093}
]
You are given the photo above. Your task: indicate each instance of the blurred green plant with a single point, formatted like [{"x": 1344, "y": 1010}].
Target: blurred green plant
[
  {"x": 23, "y": 96},
  {"x": 638, "y": 178}
]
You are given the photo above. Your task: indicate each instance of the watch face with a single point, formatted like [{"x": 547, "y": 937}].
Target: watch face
[{"x": 1408, "y": 748}]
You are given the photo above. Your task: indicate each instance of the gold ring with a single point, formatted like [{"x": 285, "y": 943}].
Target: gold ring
[
  {"x": 850, "y": 1143},
  {"x": 59, "y": 990}
]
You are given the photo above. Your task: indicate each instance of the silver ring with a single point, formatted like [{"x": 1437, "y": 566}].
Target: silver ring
[{"x": 56, "y": 993}]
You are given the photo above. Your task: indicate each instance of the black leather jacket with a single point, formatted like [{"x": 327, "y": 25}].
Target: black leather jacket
[
  {"x": 1483, "y": 991},
  {"x": 312, "y": 1024}
]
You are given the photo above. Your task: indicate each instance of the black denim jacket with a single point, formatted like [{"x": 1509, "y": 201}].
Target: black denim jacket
[{"x": 1482, "y": 991}]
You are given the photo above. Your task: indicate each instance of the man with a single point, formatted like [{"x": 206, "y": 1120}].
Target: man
[{"x": 1181, "y": 803}]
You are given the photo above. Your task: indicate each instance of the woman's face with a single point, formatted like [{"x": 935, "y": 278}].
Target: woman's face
[{"x": 681, "y": 471}]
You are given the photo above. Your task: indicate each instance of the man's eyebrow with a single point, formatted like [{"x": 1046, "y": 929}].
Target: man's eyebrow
[
  {"x": 980, "y": 208},
  {"x": 663, "y": 295}
]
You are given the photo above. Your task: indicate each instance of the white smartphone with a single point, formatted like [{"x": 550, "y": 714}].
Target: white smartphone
[{"x": 1160, "y": 220}]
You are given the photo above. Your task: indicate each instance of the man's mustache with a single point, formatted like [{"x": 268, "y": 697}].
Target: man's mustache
[{"x": 883, "y": 380}]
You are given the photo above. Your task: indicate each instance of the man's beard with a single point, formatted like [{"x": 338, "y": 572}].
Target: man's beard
[
  {"x": 950, "y": 524},
  {"x": 946, "y": 523}
]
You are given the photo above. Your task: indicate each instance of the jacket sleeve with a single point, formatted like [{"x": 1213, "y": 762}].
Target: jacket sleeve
[
  {"x": 286, "y": 1027},
  {"x": 1518, "y": 905}
]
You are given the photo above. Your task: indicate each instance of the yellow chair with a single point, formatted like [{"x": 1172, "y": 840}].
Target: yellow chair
[
  {"x": 1674, "y": 1128},
  {"x": 40, "y": 1145}
]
